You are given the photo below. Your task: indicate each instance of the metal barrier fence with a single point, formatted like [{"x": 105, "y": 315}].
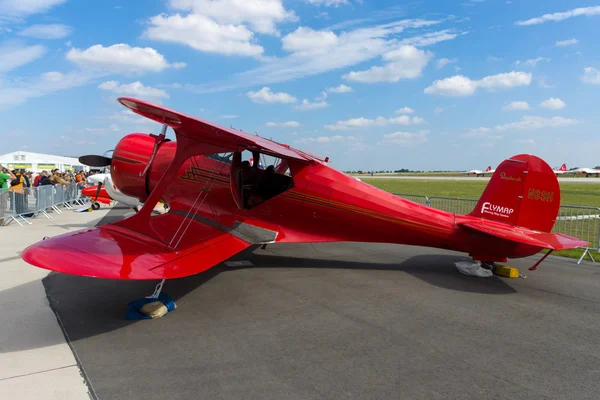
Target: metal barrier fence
[
  {"x": 579, "y": 221},
  {"x": 20, "y": 204}
]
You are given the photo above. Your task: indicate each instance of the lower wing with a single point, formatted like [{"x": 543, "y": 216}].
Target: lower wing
[{"x": 115, "y": 252}]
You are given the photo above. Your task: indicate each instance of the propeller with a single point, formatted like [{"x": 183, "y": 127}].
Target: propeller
[{"x": 93, "y": 160}]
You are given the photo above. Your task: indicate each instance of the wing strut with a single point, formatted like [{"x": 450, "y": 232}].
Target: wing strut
[
  {"x": 204, "y": 192},
  {"x": 186, "y": 149}
]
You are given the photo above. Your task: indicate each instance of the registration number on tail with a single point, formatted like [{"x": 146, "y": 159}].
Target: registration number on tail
[{"x": 542, "y": 195}]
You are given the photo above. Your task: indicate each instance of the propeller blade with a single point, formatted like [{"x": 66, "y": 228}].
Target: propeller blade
[
  {"x": 95, "y": 161},
  {"x": 98, "y": 191}
]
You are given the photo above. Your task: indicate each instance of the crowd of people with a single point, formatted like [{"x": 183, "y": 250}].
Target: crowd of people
[
  {"x": 20, "y": 178},
  {"x": 15, "y": 184}
]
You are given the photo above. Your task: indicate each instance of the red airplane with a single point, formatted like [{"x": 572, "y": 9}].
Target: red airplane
[
  {"x": 219, "y": 205},
  {"x": 97, "y": 194}
]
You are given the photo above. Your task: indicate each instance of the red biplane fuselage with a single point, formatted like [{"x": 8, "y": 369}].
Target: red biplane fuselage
[{"x": 219, "y": 205}]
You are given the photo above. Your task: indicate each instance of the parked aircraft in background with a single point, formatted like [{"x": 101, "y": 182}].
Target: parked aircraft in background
[
  {"x": 478, "y": 172},
  {"x": 587, "y": 171},
  {"x": 561, "y": 170},
  {"x": 104, "y": 190}
]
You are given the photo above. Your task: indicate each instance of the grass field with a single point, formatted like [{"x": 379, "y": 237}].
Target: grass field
[
  {"x": 450, "y": 174},
  {"x": 576, "y": 194}
]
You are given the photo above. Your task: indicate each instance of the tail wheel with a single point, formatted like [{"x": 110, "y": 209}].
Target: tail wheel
[
  {"x": 488, "y": 265},
  {"x": 95, "y": 206}
]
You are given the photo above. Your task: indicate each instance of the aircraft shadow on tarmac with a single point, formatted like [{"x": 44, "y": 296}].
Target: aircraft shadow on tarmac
[{"x": 89, "y": 306}]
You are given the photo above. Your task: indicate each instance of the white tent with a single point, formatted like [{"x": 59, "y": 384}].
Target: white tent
[{"x": 37, "y": 162}]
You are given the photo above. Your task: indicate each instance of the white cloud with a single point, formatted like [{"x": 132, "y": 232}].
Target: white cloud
[
  {"x": 305, "y": 41},
  {"x": 405, "y": 110},
  {"x": 308, "y": 105},
  {"x": 52, "y": 31},
  {"x": 47, "y": 83},
  {"x": 438, "y": 110},
  {"x": 228, "y": 116},
  {"x": 591, "y": 75},
  {"x": 457, "y": 85},
  {"x": 266, "y": 96},
  {"x": 404, "y": 138},
  {"x": 204, "y": 34},
  {"x": 560, "y": 16},
  {"x": 553, "y": 104},
  {"x": 460, "y": 85},
  {"x": 567, "y": 42},
  {"x": 261, "y": 15},
  {"x": 315, "y": 52},
  {"x": 135, "y": 89},
  {"x": 121, "y": 58},
  {"x": 340, "y": 89},
  {"x": 431, "y": 38},
  {"x": 505, "y": 81},
  {"x": 532, "y": 62},
  {"x": 406, "y": 62},
  {"x": 517, "y": 105},
  {"x": 15, "y": 55},
  {"x": 326, "y": 139},
  {"x": 17, "y": 9},
  {"x": 358, "y": 123},
  {"x": 476, "y": 132},
  {"x": 442, "y": 62},
  {"x": 287, "y": 124},
  {"x": 328, "y": 3},
  {"x": 531, "y": 122}
]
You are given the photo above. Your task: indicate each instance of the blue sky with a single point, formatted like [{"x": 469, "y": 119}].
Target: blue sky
[{"x": 372, "y": 84}]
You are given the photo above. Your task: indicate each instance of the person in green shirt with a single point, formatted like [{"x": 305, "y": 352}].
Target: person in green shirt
[{"x": 5, "y": 176}]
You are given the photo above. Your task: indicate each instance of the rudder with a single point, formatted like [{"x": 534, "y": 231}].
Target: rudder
[{"x": 523, "y": 191}]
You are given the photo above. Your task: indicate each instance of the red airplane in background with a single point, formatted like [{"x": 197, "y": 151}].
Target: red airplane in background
[
  {"x": 220, "y": 204},
  {"x": 96, "y": 194},
  {"x": 478, "y": 172},
  {"x": 561, "y": 170}
]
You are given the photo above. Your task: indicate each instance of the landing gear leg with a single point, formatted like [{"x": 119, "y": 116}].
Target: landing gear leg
[{"x": 157, "y": 290}]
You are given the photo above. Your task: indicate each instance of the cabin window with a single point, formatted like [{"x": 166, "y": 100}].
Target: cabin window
[
  {"x": 257, "y": 177},
  {"x": 222, "y": 157}
]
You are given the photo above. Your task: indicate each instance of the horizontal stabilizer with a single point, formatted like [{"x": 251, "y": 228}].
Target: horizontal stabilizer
[
  {"x": 552, "y": 241},
  {"x": 118, "y": 253}
]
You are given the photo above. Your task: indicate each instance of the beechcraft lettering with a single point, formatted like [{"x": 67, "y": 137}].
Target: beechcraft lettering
[{"x": 489, "y": 208}]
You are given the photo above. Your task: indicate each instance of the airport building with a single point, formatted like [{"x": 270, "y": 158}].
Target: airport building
[{"x": 37, "y": 162}]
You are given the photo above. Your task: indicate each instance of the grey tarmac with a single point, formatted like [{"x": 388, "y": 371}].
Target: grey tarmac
[{"x": 345, "y": 320}]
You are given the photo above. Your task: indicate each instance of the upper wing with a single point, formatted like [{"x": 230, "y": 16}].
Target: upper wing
[
  {"x": 111, "y": 251},
  {"x": 195, "y": 128}
]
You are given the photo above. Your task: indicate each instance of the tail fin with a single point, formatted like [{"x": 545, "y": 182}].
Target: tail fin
[
  {"x": 563, "y": 167},
  {"x": 489, "y": 168},
  {"x": 524, "y": 191}
]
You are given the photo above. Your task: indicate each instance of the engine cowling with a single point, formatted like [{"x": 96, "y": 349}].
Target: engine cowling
[{"x": 129, "y": 161}]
